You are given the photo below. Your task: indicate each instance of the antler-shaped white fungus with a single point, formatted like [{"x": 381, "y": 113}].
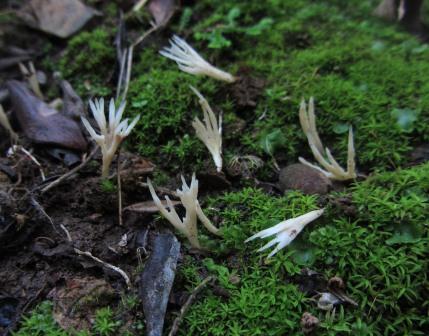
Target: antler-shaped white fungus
[
  {"x": 112, "y": 134},
  {"x": 191, "y": 62},
  {"x": 188, "y": 225},
  {"x": 333, "y": 169},
  {"x": 211, "y": 131},
  {"x": 285, "y": 231}
]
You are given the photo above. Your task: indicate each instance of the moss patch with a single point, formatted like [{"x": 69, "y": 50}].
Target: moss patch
[{"x": 384, "y": 274}]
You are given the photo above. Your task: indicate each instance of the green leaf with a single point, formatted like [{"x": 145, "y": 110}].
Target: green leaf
[
  {"x": 340, "y": 128},
  {"x": 405, "y": 233},
  {"x": 138, "y": 103},
  {"x": 233, "y": 14},
  {"x": 273, "y": 141},
  {"x": 305, "y": 257},
  {"x": 405, "y": 118},
  {"x": 257, "y": 29}
]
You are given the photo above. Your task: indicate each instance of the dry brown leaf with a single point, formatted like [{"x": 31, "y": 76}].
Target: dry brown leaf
[
  {"x": 162, "y": 11},
  {"x": 60, "y": 18},
  {"x": 148, "y": 206}
]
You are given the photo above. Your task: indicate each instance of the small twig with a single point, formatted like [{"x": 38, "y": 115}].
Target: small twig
[
  {"x": 15, "y": 148},
  {"x": 71, "y": 172},
  {"x": 144, "y": 35},
  {"x": 105, "y": 264},
  {"x": 128, "y": 72},
  {"x": 89, "y": 255},
  {"x": 118, "y": 168},
  {"x": 43, "y": 212},
  {"x": 123, "y": 62},
  {"x": 187, "y": 304}
]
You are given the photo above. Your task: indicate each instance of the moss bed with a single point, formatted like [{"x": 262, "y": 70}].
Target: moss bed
[{"x": 362, "y": 72}]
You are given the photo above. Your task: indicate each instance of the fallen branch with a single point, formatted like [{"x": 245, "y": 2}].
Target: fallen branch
[{"x": 187, "y": 304}]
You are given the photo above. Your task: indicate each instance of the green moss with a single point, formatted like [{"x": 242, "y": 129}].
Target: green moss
[
  {"x": 385, "y": 276},
  {"x": 89, "y": 61},
  {"x": 40, "y": 323},
  {"x": 160, "y": 93}
]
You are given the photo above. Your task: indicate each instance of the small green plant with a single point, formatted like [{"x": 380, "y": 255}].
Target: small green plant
[
  {"x": 217, "y": 36},
  {"x": 105, "y": 324},
  {"x": 40, "y": 323},
  {"x": 108, "y": 186}
]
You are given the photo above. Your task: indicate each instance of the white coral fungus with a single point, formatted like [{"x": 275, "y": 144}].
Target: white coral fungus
[
  {"x": 112, "y": 133},
  {"x": 285, "y": 231},
  {"x": 210, "y": 132},
  {"x": 332, "y": 169},
  {"x": 188, "y": 225},
  {"x": 191, "y": 62}
]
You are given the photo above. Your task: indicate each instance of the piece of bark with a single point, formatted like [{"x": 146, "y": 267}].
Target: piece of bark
[{"x": 157, "y": 280}]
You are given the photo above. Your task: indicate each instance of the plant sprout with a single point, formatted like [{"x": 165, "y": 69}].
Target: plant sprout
[
  {"x": 112, "y": 134},
  {"x": 210, "y": 132},
  {"x": 188, "y": 197},
  {"x": 332, "y": 169},
  {"x": 4, "y": 121},
  {"x": 191, "y": 62},
  {"x": 285, "y": 231},
  {"x": 31, "y": 75}
]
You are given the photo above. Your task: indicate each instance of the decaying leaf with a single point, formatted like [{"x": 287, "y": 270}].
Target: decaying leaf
[
  {"x": 41, "y": 123},
  {"x": 147, "y": 207},
  {"x": 162, "y": 11},
  {"x": 60, "y": 18}
]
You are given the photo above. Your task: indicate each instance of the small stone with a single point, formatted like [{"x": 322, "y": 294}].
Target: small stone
[
  {"x": 306, "y": 179},
  {"x": 309, "y": 323}
]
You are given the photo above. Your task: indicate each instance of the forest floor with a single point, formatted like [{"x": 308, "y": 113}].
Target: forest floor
[{"x": 368, "y": 252}]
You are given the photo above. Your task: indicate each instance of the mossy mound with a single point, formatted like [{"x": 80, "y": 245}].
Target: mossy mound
[{"x": 381, "y": 253}]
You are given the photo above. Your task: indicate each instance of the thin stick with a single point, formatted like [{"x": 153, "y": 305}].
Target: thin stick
[
  {"x": 118, "y": 168},
  {"x": 144, "y": 36},
  {"x": 121, "y": 73},
  {"x": 32, "y": 158},
  {"x": 90, "y": 255},
  {"x": 105, "y": 264},
  {"x": 187, "y": 304},
  {"x": 129, "y": 63},
  {"x": 71, "y": 172}
]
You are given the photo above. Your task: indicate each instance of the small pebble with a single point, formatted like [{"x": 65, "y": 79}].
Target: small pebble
[{"x": 306, "y": 179}]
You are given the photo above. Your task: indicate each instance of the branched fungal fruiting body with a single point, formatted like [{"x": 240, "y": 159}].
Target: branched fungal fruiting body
[
  {"x": 285, "y": 231},
  {"x": 188, "y": 225},
  {"x": 210, "y": 133},
  {"x": 331, "y": 167},
  {"x": 191, "y": 62},
  {"x": 112, "y": 134}
]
